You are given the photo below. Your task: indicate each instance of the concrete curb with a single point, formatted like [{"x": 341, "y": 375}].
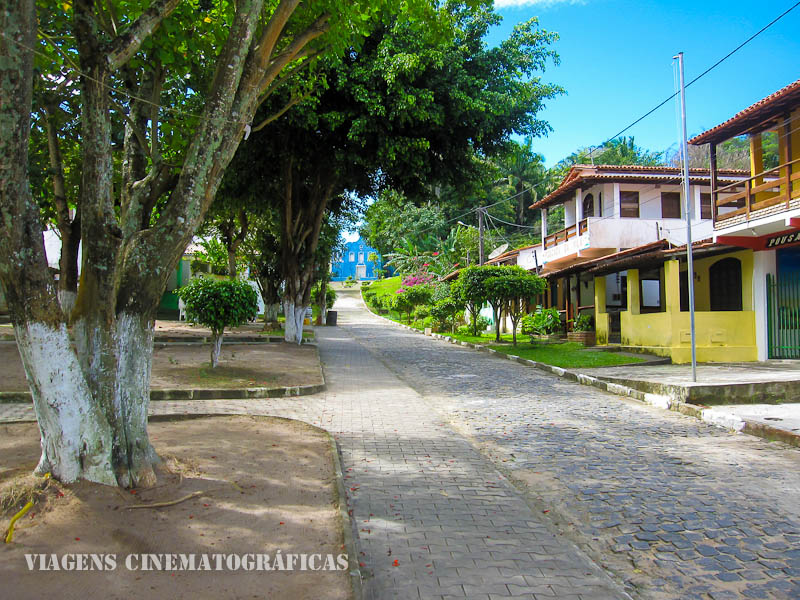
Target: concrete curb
[
  {"x": 201, "y": 394},
  {"x": 348, "y": 524},
  {"x": 704, "y": 413}
]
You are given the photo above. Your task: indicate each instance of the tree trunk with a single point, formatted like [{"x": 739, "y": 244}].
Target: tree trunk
[
  {"x": 91, "y": 402},
  {"x": 216, "y": 348},
  {"x": 75, "y": 436},
  {"x": 323, "y": 301},
  {"x": 497, "y": 316},
  {"x": 68, "y": 264},
  {"x": 522, "y": 203},
  {"x": 134, "y": 455},
  {"x": 271, "y": 312},
  {"x": 293, "y": 327}
]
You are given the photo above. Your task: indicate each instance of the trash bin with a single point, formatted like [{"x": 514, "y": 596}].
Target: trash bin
[{"x": 331, "y": 318}]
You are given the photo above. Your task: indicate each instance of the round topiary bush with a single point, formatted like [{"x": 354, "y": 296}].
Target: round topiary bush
[{"x": 217, "y": 304}]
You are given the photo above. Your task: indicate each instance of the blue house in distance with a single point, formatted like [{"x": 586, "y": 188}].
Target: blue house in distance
[{"x": 354, "y": 262}]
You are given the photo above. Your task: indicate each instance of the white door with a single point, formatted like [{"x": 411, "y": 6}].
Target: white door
[{"x": 361, "y": 271}]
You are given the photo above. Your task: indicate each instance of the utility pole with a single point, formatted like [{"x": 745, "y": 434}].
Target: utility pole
[
  {"x": 481, "y": 254},
  {"x": 688, "y": 203}
]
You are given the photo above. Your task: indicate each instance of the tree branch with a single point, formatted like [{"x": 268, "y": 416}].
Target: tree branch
[
  {"x": 272, "y": 31},
  {"x": 293, "y": 102},
  {"x": 290, "y": 72},
  {"x": 140, "y": 135},
  {"x": 127, "y": 44},
  {"x": 293, "y": 50}
]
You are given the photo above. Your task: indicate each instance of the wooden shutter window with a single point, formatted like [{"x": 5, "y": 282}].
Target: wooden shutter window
[
  {"x": 629, "y": 205},
  {"x": 705, "y": 206},
  {"x": 670, "y": 205}
]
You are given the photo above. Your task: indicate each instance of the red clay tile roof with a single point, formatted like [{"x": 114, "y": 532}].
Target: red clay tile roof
[
  {"x": 774, "y": 105},
  {"x": 502, "y": 257},
  {"x": 585, "y": 174},
  {"x": 660, "y": 249}
]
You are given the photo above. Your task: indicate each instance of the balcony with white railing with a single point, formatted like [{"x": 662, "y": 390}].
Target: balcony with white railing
[{"x": 597, "y": 236}]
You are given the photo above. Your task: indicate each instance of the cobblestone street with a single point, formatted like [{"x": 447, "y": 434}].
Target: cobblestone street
[
  {"x": 610, "y": 498},
  {"x": 675, "y": 507}
]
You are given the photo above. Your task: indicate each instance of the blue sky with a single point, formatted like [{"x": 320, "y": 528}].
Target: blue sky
[{"x": 616, "y": 64}]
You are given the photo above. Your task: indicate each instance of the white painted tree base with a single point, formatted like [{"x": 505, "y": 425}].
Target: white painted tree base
[
  {"x": 293, "y": 327},
  {"x": 76, "y": 439}
]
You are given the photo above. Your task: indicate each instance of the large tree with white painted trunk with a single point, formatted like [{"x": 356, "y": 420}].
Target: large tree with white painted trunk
[{"x": 139, "y": 205}]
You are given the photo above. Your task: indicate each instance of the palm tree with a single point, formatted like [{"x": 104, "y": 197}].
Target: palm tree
[{"x": 526, "y": 174}]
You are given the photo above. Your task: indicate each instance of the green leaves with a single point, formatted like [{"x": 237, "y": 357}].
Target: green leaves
[{"x": 219, "y": 303}]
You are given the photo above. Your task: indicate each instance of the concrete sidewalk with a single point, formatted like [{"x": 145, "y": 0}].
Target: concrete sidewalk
[{"x": 762, "y": 397}]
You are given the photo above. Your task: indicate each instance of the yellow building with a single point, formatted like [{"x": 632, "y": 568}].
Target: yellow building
[
  {"x": 762, "y": 213},
  {"x": 746, "y": 267},
  {"x": 655, "y": 317}
]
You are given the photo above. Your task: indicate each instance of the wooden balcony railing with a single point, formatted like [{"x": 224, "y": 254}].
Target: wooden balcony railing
[
  {"x": 773, "y": 189},
  {"x": 559, "y": 237}
]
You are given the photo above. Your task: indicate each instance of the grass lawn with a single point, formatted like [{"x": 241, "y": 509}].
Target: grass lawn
[
  {"x": 385, "y": 287},
  {"x": 279, "y": 333},
  {"x": 485, "y": 338},
  {"x": 566, "y": 355}
]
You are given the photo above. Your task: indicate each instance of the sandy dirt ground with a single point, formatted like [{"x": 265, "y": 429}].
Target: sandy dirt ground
[
  {"x": 264, "y": 485},
  {"x": 177, "y": 366}
]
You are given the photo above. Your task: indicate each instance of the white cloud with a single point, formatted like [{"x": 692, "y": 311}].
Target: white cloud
[{"x": 523, "y": 3}]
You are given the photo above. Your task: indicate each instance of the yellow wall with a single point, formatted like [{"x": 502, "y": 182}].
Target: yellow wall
[
  {"x": 721, "y": 336},
  {"x": 601, "y": 323},
  {"x": 702, "y": 300}
]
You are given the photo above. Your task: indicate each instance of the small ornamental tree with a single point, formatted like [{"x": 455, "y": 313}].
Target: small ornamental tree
[
  {"x": 513, "y": 290},
  {"x": 418, "y": 295},
  {"x": 445, "y": 312},
  {"x": 218, "y": 304},
  {"x": 469, "y": 290},
  {"x": 401, "y": 304}
]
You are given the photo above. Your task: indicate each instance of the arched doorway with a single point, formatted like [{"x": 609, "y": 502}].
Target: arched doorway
[
  {"x": 588, "y": 206},
  {"x": 725, "y": 284}
]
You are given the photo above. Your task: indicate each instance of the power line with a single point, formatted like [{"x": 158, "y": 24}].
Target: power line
[
  {"x": 514, "y": 224},
  {"x": 701, "y": 75}
]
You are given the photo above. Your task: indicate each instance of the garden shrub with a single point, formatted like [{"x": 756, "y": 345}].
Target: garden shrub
[
  {"x": 444, "y": 313},
  {"x": 441, "y": 291},
  {"x": 330, "y": 297},
  {"x": 483, "y": 323},
  {"x": 584, "y": 322},
  {"x": 401, "y": 303},
  {"x": 422, "y": 311},
  {"x": 527, "y": 324},
  {"x": 545, "y": 321}
]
